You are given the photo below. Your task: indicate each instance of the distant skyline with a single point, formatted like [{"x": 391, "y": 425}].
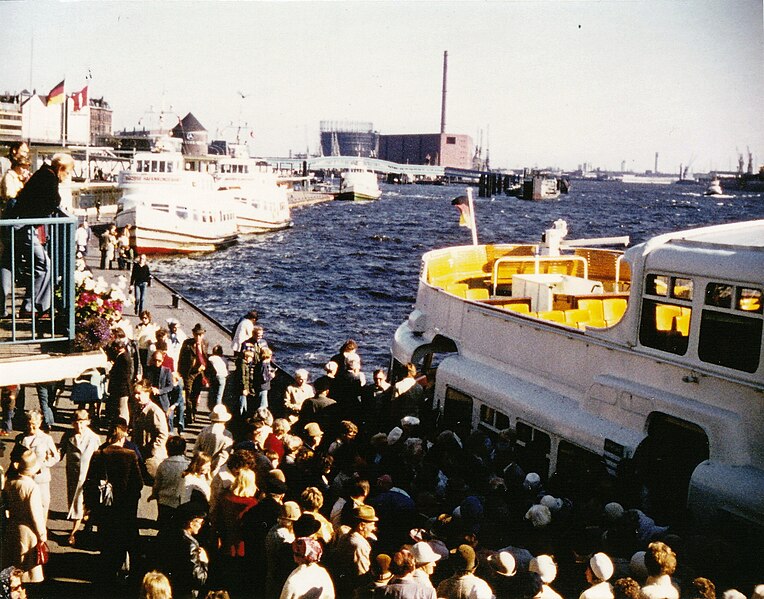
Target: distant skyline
[{"x": 548, "y": 83}]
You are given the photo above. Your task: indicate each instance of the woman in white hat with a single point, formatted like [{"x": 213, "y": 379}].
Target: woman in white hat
[
  {"x": 425, "y": 558},
  {"x": 26, "y": 522},
  {"x": 598, "y": 572}
]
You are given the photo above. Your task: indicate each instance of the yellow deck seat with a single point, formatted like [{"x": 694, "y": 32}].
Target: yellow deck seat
[
  {"x": 682, "y": 324},
  {"x": 521, "y": 308},
  {"x": 458, "y": 289},
  {"x": 553, "y": 315},
  {"x": 665, "y": 315},
  {"x": 613, "y": 309},
  {"x": 594, "y": 306},
  {"x": 578, "y": 317},
  {"x": 477, "y": 294}
]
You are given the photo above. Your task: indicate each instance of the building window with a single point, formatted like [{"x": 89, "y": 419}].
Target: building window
[{"x": 731, "y": 336}]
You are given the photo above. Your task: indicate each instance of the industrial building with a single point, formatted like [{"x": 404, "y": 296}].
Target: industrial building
[
  {"x": 439, "y": 149},
  {"x": 349, "y": 138}
]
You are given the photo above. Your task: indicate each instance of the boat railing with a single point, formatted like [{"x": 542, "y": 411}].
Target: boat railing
[
  {"x": 24, "y": 262},
  {"x": 536, "y": 261}
]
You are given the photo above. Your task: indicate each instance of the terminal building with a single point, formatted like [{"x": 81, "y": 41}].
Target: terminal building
[
  {"x": 28, "y": 116},
  {"x": 438, "y": 149}
]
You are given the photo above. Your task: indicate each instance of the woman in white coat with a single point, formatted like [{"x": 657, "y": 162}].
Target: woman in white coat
[
  {"x": 78, "y": 447},
  {"x": 26, "y": 520}
]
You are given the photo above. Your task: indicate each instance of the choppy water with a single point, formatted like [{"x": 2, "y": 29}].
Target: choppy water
[{"x": 350, "y": 269}]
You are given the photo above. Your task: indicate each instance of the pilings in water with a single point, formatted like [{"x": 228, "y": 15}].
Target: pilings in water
[{"x": 492, "y": 184}]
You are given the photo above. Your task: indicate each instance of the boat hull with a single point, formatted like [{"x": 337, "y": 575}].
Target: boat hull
[
  {"x": 254, "y": 226},
  {"x": 358, "y": 196},
  {"x": 150, "y": 238}
]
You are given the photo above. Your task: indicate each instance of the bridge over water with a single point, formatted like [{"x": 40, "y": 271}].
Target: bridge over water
[{"x": 382, "y": 167}]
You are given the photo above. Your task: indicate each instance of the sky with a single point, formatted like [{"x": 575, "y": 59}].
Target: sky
[{"x": 543, "y": 83}]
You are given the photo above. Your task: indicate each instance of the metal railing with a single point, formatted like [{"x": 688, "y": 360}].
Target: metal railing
[{"x": 37, "y": 258}]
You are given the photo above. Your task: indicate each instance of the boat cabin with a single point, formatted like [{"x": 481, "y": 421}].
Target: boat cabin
[{"x": 598, "y": 362}]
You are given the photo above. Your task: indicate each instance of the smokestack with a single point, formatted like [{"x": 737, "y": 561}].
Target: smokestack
[
  {"x": 443, "y": 100},
  {"x": 656, "y": 163}
]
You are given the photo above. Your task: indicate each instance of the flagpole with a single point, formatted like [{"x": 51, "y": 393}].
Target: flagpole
[{"x": 473, "y": 226}]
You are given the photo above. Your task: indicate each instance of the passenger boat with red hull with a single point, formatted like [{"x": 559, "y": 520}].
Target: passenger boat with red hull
[{"x": 173, "y": 210}]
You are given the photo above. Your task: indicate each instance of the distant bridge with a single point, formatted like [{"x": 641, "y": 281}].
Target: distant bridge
[{"x": 383, "y": 167}]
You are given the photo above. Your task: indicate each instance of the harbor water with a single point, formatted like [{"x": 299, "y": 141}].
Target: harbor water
[{"x": 350, "y": 270}]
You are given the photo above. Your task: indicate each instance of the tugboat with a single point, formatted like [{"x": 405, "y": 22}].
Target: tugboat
[{"x": 599, "y": 362}]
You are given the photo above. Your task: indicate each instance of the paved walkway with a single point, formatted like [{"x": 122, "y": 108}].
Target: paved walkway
[{"x": 72, "y": 570}]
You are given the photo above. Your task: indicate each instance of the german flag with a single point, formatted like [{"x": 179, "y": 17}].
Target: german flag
[
  {"x": 465, "y": 216},
  {"x": 56, "y": 95}
]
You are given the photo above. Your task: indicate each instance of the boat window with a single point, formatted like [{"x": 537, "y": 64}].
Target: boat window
[
  {"x": 533, "y": 449},
  {"x": 493, "y": 420},
  {"x": 170, "y": 167},
  {"x": 731, "y": 337},
  {"x": 457, "y": 412},
  {"x": 682, "y": 289},
  {"x": 162, "y": 166},
  {"x": 665, "y": 325},
  {"x": 450, "y": 140},
  {"x": 749, "y": 300},
  {"x": 582, "y": 468},
  {"x": 162, "y": 207},
  {"x": 656, "y": 285},
  {"x": 181, "y": 212},
  {"x": 719, "y": 295}
]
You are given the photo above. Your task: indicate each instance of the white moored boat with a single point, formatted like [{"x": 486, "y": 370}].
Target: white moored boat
[
  {"x": 261, "y": 204},
  {"x": 359, "y": 183},
  {"x": 599, "y": 362},
  {"x": 173, "y": 210},
  {"x": 714, "y": 188}
]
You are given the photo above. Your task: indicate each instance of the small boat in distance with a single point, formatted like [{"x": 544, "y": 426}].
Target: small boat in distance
[
  {"x": 714, "y": 188},
  {"x": 173, "y": 210},
  {"x": 261, "y": 204},
  {"x": 538, "y": 185},
  {"x": 358, "y": 183}
]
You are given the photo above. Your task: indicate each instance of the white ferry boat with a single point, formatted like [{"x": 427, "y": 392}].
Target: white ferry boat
[
  {"x": 358, "y": 184},
  {"x": 602, "y": 362},
  {"x": 173, "y": 210},
  {"x": 261, "y": 204}
]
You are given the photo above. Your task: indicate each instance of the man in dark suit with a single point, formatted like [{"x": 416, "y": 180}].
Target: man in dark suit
[
  {"x": 160, "y": 378},
  {"x": 39, "y": 199},
  {"x": 192, "y": 363},
  {"x": 118, "y": 522}
]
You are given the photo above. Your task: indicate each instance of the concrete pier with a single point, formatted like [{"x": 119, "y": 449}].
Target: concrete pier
[{"x": 71, "y": 571}]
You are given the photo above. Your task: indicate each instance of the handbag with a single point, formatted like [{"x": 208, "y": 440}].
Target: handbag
[
  {"x": 100, "y": 492},
  {"x": 105, "y": 493},
  {"x": 43, "y": 553}
]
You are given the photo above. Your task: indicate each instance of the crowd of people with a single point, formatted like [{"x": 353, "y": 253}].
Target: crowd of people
[
  {"x": 315, "y": 489},
  {"x": 337, "y": 487}
]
